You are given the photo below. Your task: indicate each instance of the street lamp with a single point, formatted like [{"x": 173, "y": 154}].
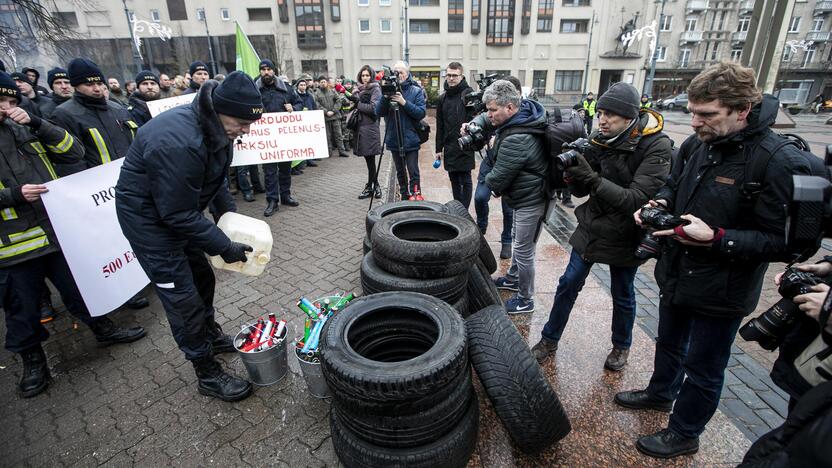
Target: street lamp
[
  {"x": 208, "y": 35},
  {"x": 137, "y": 56},
  {"x": 648, "y": 84},
  {"x": 589, "y": 51}
]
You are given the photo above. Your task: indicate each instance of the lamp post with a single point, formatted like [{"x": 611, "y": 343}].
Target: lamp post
[
  {"x": 406, "y": 34},
  {"x": 210, "y": 47},
  {"x": 648, "y": 84},
  {"x": 588, "y": 52},
  {"x": 137, "y": 56}
]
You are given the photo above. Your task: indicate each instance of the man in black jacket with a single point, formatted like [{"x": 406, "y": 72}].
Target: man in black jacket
[
  {"x": 450, "y": 115},
  {"x": 199, "y": 75},
  {"x": 147, "y": 90},
  {"x": 177, "y": 164},
  {"x": 30, "y": 99},
  {"x": 34, "y": 77},
  {"x": 711, "y": 270},
  {"x": 58, "y": 80}
]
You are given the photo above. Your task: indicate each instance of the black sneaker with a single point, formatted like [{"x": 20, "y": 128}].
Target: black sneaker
[
  {"x": 47, "y": 312},
  {"x": 667, "y": 444},
  {"x": 35, "y": 376},
  {"x": 640, "y": 399}
]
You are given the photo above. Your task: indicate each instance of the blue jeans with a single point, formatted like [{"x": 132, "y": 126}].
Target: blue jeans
[
  {"x": 623, "y": 300},
  {"x": 698, "y": 346},
  {"x": 481, "y": 197}
]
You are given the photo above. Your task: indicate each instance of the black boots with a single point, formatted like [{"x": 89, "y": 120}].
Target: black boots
[
  {"x": 215, "y": 382},
  {"x": 220, "y": 342},
  {"x": 289, "y": 201},
  {"x": 367, "y": 192},
  {"x": 106, "y": 332},
  {"x": 35, "y": 376},
  {"x": 667, "y": 444},
  {"x": 640, "y": 399},
  {"x": 271, "y": 208},
  {"x": 137, "y": 302}
]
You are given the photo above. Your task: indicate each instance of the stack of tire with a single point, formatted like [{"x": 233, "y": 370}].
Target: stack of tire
[
  {"x": 397, "y": 364},
  {"x": 429, "y": 248}
]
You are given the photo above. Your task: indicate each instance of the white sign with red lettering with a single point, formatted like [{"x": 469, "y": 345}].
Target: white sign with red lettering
[
  {"x": 160, "y": 105},
  {"x": 283, "y": 136},
  {"x": 82, "y": 210}
]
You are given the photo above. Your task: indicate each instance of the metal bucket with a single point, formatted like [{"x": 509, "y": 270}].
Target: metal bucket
[
  {"x": 265, "y": 367},
  {"x": 314, "y": 377}
]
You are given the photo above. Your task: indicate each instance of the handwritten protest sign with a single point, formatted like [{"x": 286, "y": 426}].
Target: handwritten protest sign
[
  {"x": 82, "y": 210},
  {"x": 283, "y": 136},
  {"x": 160, "y": 105}
]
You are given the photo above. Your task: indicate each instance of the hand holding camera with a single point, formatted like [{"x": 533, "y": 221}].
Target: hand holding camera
[
  {"x": 398, "y": 98},
  {"x": 693, "y": 232}
]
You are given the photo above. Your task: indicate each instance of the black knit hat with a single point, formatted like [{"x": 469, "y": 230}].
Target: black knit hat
[
  {"x": 267, "y": 63},
  {"x": 238, "y": 97},
  {"x": 56, "y": 73},
  {"x": 621, "y": 99},
  {"x": 8, "y": 87},
  {"x": 82, "y": 70},
  {"x": 146, "y": 75},
  {"x": 19, "y": 76},
  {"x": 198, "y": 66}
]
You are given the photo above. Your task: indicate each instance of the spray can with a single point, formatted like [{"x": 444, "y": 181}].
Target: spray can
[
  {"x": 308, "y": 308},
  {"x": 343, "y": 301}
]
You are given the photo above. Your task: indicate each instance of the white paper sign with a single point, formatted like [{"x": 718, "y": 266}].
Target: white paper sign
[
  {"x": 160, "y": 105},
  {"x": 283, "y": 136},
  {"x": 82, "y": 209}
]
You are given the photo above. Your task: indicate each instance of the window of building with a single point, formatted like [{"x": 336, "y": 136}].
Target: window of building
[
  {"x": 743, "y": 24},
  {"x": 715, "y": 51},
  {"x": 499, "y": 73},
  {"x": 456, "y": 15},
  {"x": 224, "y": 14},
  {"x": 787, "y": 54},
  {"x": 545, "y": 9},
  {"x": 794, "y": 24},
  {"x": 259, "y": 14},
  {"x": 722, "y": 21},
  {"x": 690, "y": 24},
  {"x": 808, "y": 56},
  {"x": 424, "y": 2},
  {"x": 154, "y": 16},
  {"x": 424, "y": 26},
  {"x": 283, "y": 10},
  {"x": 526, "y": 17},
  {"x": 67, "y": 18},
  {"x": 177, "y": 10},
  {"x": 385, "y": 25},
  {"x": 98, "y": 18},
  {"x": 660, "y": 54},
  {"x": 574, "y": 26},
  {"x": 363, "y": 25},
  {"x": 684, "y": 57},
  {"x": 817, "y": 24},
  {"x": 385, "y": 2},
  {"x": 736, "y": 55},
  {"x": 539, "y": 82},
  {"x": 666, "y": 23},
  {"x": 309, "y": 24},
  {"x": 575, "y": 3},
  {"x": 314, "y": 67},
  {"x": 363, "y": 2},
  {"x": 500, "y": 23},
  {"x": 200, "y": 14},
  {"x": 568, "y": 80},
  {"x": 335, "y": 10},
  {"x": 475, "y": 16}
]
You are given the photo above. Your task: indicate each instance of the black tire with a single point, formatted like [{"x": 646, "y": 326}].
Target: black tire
[
  {"x": 482, "y": 292},
  {"x": 452, "y": 450},
  {"x": 424, "y": 350},
  {"x": 376, "y": 280},
  {"x": 379, "y": 212},
  {"x": 368, "y": 245},
  {"x": 463, "y": 305},
  {"x": 424, "y": 244},
  {"x": 456, "y": 207},
  {"x": 514, "y": 382},
  {"x": 405, "y": 425}
]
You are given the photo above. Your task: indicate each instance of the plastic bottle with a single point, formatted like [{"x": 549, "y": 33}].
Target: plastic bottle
[{"x": 251, "y": 231}]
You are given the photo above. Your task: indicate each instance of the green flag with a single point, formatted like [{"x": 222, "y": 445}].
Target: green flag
[{"x": 247, "y": 59}]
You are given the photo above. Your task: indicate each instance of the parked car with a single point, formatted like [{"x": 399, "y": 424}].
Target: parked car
[{"x": 680, "y": 101}]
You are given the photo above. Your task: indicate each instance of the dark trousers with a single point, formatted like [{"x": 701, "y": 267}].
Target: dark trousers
[
  {"x": 222, "y": 202},
  {"x": 371, "y": 169},
  {"x": 184, "y": 282},
  {"x": 461, "y": 186},
  {"x": 697, "y": 346},
  {"x": 21, "y": 289},
  {"x": 333, "y": 135},
  {"x": 278, "y": 180},
  {"x": 623, "y": 300},
  {"x": 588, "y": 121},
  {"x": 248, "y": 178},
  {"x": 481, "y": 197},
  {"x": 407, "y": 171}
]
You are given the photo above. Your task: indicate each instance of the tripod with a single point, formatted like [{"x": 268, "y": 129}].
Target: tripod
[{"x": 394, "y": 108}]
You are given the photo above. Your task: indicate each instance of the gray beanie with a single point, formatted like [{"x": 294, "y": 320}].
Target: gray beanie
[{"x": 621, "y": 99}]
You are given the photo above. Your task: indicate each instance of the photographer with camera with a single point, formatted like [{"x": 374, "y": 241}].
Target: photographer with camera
[
  {"x": 711, "y": 270},
  {"x": 403, "y": 106},
  {"x": 451, "y": 113},
  {"x": 518, "y": 157},
  {"x": 624, "y": 163}
]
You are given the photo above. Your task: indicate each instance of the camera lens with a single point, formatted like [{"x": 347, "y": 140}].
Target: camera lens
[
  {"x": 649, "y": 247},
  {"x": 771, "y": 327},
  {"x": 566, "y": 159}
]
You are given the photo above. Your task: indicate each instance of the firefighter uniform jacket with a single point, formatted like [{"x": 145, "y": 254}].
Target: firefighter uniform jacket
[
  {"x": 27, "y": 156},
  {"x": 105, "y": 130}
]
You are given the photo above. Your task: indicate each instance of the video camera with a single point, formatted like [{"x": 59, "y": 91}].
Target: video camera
[
  {"x": 390, "y": 84},
  {"x": 473, "y": 101}
]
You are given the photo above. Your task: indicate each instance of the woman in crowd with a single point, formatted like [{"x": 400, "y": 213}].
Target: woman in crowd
[{"x": 368, "y": 137}]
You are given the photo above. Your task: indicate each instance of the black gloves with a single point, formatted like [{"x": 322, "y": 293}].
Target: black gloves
[
  {"x": 583, "y": 173},
  {"x": 353, "y": 98},
  {"x": 236, "y": 252}
]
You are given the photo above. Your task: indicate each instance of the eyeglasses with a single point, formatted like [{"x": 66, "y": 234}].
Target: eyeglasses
[{"x": 452, "y": 75}]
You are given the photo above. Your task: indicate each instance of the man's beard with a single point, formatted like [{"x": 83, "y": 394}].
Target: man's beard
[
  {"x": 268, "y": 80},
  {"x": 149, "y": 96},
  {"x": 115, "y": 90}
]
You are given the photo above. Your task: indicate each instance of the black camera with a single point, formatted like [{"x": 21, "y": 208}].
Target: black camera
[
  {"x": 475, "y": 139},
  {"x": 772, "y": 326},
  {"x": 390, "y": 84},
  {"x": 570, "y": 158},
  {"x": 810, "y": 210},
  {"x": 655, "y": 219},
  {"x": 473, "y": 101}
]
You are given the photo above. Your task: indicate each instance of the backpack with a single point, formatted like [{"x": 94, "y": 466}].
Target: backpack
[{"x": 422, "y": 130}]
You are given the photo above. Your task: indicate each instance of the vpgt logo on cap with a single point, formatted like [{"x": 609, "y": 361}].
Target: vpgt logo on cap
[
  {"x": 61, "y": 75},
  {"x": 201, "y": 68},
  {"x": 148, "y": 77},
  {"x": 13, "y": 92},
  {"x": 94, "y": 79},
  {"x": 256, "y": 110}
]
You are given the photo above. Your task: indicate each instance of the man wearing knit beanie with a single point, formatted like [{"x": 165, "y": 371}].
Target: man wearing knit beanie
[
  {"x": 199, "y": 75},
  {"x": 34, "y": 77},
  {"x": 58, "y": 80},
  {"x": 30, "y": 100},
  {"x": 147, "y": 90},
  {"x": 636, "y": 162},
  {"x": 32, "y": 147},
  {"x": 176, "y": 166}
]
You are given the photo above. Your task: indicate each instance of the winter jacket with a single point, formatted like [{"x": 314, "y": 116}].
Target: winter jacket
[
  {"x": 450, "y": 115},
  {"x": 307, "y": 101},
  {"x": 368, "y": 136},
  {"x": 803, "y": 440},
  {"x": 29, "y": 106},
  {"x": 520, "y": 158},
  {"x": 120, "y": 98},
  {"x": 106, "y": 129},
  {"x": 725, "y": 280},
  {"x": 329, "y": 100},
  {"x": 177, "y": 164},
  {"x": 138, "y": 109},
  {"x": 276, "y": 96},
  {"x": 410, "y": 114},
  {"x": 50, "y": 103},
  {"x": 192, "y": 88},
  {"x": 631, "y": 171},
  {"x": 27, "y": 156}
]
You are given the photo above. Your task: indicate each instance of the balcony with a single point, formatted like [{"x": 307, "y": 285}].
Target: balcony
[
  {"x": 818, "y": 36},
  {"x": 746, "y": 6},
  {"x": 690, "y": 36},
  {"x": 696, "y": 5},
  {"x": 823, "y": 7},
  {"x": 739, "y": 36}
]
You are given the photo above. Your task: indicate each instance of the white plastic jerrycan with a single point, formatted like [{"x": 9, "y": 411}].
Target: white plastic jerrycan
[{"x": 251, "y": 231}]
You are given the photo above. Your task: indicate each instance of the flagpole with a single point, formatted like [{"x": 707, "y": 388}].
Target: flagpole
[{"x": 210, "y": 47}]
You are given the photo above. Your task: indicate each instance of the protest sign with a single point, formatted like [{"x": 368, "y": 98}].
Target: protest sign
[
  {"x": 283, "y": 136},
  {"x": 82, "y": 210},
  {"x": 160, "y": 105}
]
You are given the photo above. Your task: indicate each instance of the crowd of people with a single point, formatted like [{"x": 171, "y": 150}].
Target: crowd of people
[{"x": 710, "y": 268}]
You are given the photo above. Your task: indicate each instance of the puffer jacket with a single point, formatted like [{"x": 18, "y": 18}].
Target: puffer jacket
[
  {"x": 520, "y": 158},
  {"x": 631, "y": 171},
  {"x": 29, "y": 156},
  {"x": 368, "y": 136},
  {"x": 177, "y": 164},
  {"x": 725, "y": 280},
  {"x": 410, "y": 114}
]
